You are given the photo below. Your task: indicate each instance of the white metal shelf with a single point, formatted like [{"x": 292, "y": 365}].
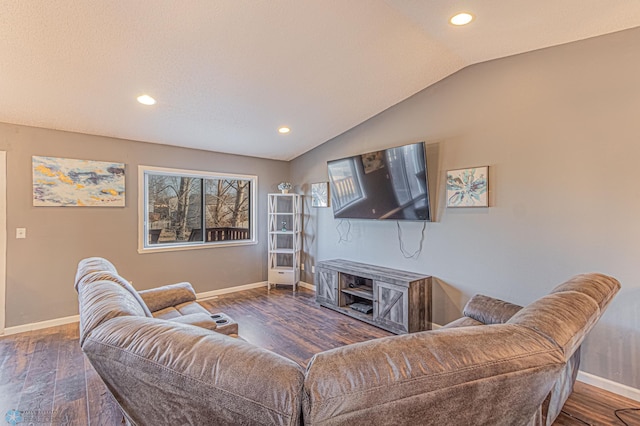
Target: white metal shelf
[{"x": 284, "y": 210}]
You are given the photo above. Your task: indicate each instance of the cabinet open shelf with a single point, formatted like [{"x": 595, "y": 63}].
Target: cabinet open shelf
[{"x": 363, "y": 293}]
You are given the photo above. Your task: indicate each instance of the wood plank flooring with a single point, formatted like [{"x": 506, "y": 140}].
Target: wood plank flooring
[{"x": 45, "y": 375}]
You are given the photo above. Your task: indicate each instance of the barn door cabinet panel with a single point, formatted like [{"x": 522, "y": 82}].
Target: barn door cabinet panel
[
  {"x": 397, "y": 301},
  {"x": 326, "y": 286},
  {"x": 391, "y": 306}
]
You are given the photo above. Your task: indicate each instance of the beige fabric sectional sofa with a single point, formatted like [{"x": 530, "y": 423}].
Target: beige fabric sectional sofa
[{"x": 498, "y": 365}]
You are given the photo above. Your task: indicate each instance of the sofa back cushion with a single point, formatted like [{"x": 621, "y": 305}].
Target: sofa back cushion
[
  {"x": 168, "y": 296},
  {"x": 90, "y": 265},
  {"x": 565, "y": 318},
  {"x": 498, "y": 374},
  {"x": 601, "y": 288},
  {"x": 114, "y": 277},
  {"x": 164, "y": 373},
  {"x": 567, "y": 314},
  {"x": 103, "y": 300},
  {"x": 489, "y": 310}
]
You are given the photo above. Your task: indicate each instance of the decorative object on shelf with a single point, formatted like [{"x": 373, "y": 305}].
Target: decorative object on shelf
[
  {"x": 468, "y": 187},
  {"x": 284, "y": 226},
  {"x": 71, "y": 182},
  {"x": 284, "y": 187},
  {"x": 320, "y": 194}
]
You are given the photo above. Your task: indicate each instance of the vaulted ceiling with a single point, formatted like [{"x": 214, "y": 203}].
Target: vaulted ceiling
[{"x": 227, "y": 74}]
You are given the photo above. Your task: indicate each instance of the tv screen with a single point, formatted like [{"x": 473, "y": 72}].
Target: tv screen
[{"x": 387, "y": 184}]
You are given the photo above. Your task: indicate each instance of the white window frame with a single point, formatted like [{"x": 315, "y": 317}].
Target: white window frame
[{"x": 143, "y": 200}]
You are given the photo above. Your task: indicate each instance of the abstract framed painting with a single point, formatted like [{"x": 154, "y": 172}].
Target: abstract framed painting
[
  {"x": 320, "y": 194},
  {"x": 80, "y": 183},
  {"x": 468, "y": 187}
]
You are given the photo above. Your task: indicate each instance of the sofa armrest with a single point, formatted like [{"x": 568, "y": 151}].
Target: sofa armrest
[
  {"x": 168, "y": 295},
  {"x": 489, "y": 310},
  {"x": 199, "y": 320}
]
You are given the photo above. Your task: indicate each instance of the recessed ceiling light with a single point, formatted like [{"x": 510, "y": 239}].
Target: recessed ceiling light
[
  {"x": 284, "y": 130},
  {"x": 146, "y": 100},
  {"x": 461, "y": 18}
]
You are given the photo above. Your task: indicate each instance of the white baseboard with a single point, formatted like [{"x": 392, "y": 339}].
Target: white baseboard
[
  {"x": 609, "y": 385},
  {"x": 307, "y": 285},
  {"x": 75, "y": 318},
  {"x": 40, "y": 325},
  {"x": 213, "y": 293}
]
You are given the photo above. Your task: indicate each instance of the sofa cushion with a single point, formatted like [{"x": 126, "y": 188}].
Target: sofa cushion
[
  {"x": 188, "y": 308},
  {"x": 489, "y": 310},
  {"x": 463, "y": 322},
  {"x": 114, "y": 277},
  {"x": 199, "y": 320},
  {"x": 167, "y": 313},
  {"x": 599, "y": 287},
  {"x": 90, "y": 265},
  {"x": 103, "y": 300},
  {"x": 565, "y": 318},
  {"x": 168, "y": 295},
  {"x": 166, "y": 373}
]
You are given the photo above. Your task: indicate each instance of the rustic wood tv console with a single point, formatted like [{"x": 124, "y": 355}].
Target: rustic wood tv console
[{"x": 397, "y": 301}]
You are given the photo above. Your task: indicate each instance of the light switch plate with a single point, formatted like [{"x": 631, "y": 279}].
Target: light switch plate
[{"x": 21, "y": 232}]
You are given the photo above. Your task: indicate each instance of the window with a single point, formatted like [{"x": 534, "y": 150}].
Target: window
[{"x": 184, "y": 209}]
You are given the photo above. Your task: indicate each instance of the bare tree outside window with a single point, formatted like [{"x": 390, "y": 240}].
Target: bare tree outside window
[
  {"x": 227, "y": 207},
  {"x": 175, "y": 206}
]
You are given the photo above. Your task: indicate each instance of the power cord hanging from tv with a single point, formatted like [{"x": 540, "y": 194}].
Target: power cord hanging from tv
[
  {"x": 404, "y": 252},
  {"x": 346, "y": 237}
]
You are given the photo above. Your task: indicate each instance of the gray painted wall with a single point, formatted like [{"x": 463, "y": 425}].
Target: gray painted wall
[
  {"x": 560, "y": 129},
  {"x": 41, "y": 268}
]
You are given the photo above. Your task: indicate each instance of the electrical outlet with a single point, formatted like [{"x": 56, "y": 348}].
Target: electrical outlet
[
  {"x": 302, "y": 266},
  {"x": 313, "y": 269},
  {"x": 21, "y": 233}
]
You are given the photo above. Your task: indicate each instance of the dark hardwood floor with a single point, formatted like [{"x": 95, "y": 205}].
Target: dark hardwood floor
[{"x": 45, "y": 376}]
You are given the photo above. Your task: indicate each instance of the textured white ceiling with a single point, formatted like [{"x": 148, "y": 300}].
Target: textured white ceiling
[{"x": 227, "y": 74}]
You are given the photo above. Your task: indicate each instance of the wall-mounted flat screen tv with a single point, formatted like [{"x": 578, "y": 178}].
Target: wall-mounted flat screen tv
[{"x": 387, "y": 184}]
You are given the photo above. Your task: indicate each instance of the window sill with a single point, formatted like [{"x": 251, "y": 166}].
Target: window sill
[{"x": 180, "y": 247}]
